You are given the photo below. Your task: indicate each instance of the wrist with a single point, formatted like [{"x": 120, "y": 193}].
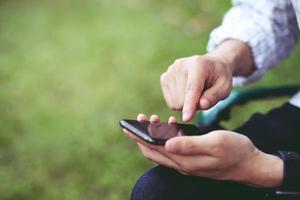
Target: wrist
[
  {"x": 265, "y": 170},
  {"x": 226, "y": 61},
  {"x": 236, "y": 55}
]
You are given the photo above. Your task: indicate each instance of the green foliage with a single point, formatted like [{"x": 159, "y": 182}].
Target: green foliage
[{"x": 70, "y": 69}]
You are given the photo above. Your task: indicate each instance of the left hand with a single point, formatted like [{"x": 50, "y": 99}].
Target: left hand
[{"x": 221, "y": 155}]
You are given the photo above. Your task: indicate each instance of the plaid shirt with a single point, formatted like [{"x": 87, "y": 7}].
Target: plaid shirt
[{"x": 269, "y": 27}]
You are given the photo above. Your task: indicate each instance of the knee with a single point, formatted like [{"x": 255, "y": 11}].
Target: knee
[{"x": 155, "y": 184}]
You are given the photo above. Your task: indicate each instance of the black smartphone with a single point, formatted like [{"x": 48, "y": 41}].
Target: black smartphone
[{"x": 159, "y": 133}]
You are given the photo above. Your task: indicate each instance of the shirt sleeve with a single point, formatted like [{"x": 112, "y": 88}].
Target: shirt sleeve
[
  {"x": 277, "y": 132},
  {"x": 291, "y": 177},
  {"x": 269, "y": 27}
]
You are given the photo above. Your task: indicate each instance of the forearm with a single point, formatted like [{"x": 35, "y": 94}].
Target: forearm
[{"x": 237, "y": 56}]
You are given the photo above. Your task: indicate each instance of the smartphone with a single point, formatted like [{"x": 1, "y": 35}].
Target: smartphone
[{"x": 159, "y": 133}]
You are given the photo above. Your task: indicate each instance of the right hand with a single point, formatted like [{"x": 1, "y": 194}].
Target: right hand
[
  {"x": 197, "y": 82},
  {"x": 220, "y": 155}
]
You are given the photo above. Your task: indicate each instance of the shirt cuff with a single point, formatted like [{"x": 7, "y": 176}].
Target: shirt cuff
[
  {"x": 251, "y": 38},
  {"x": 259, "y": 34},
  {"x": 291, "y": 179},
  {"x": 295, "y": 100}
]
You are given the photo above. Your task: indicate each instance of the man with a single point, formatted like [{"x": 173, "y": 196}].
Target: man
[{"x": 255, "y": 159}]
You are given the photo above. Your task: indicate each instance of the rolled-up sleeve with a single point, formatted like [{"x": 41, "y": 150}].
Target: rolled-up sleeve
[{"x": 269, "y": 27}]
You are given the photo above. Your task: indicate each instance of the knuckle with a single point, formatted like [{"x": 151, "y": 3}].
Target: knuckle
[
  {"x": 190, "y": 87},
  {"x": 197, "y": 58},
  {"x": 170, "y": 69},
  {"x": 187, "y": 145},
  {"x": 218, "y": 143},
  {"x": 227, "y": 89},
  {"x": 224, "y": 95},
  {"x": 212, "y": 98},
  {"x": 178, "y": 69},
  {"x": 178, "y": 61},
  {"x": 163, "y": 78},
  {"x": 215, "y": 149},
  {"x": 200, "y": 60},
  {"x": 225, "y": 92},
  {"x": 221, "y": 140},
  {"x": 217, "y": 96}
]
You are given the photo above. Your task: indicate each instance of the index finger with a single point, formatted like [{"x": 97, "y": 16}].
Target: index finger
[{"x": 194, "y": 87}]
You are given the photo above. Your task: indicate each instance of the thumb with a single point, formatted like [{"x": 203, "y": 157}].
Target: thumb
[
  {"x": 219, "y": 91},
  {"x": 187, "y": 145}
]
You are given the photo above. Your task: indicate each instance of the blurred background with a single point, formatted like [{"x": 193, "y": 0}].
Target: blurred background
[{"x": 70, "y": 69}]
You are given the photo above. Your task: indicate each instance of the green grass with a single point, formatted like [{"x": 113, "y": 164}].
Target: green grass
[{"x": 70, "y": 69}]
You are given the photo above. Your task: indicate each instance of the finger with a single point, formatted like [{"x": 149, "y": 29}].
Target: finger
[
  {"x": 184, "y": 173},
  {"x": 139, "y": 140},
  {"x": 172, "y": 120},
  {"x": 164, "y": 83},
  {"x": 194, "y": 87},
  {"x": 136, "y": 138},
  {"x": 186, "y": 164},
  {"x": 156, "y": 157},
  {"x": 177, "y": 159},
  {"x": 179, "y": 75},
  {"x": 132, "y": 136},
  {"x": 219, "y": 91},
  {"x": 173, "y": 90},
  {"x": 125, "y": 131},
  {"x": 154, "y": 119},
  {"x": 180, "y": 80},
  {"x": 141, "y": 117},
  {"x": 190, "y": 145}
]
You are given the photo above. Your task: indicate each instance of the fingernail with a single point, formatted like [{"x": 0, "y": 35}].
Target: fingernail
[
  {"x": 204, "y": 103},
  {"x": 185, "y": 116}
]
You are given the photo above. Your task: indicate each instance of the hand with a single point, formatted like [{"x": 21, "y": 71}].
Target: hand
[
  {"x": 221, "y": 155},
  {"x": 199, "y": 82},
  {"x": 196, "y": 82}
]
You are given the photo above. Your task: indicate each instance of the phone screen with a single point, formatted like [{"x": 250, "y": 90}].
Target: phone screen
[{"x": 158, "y": 133}]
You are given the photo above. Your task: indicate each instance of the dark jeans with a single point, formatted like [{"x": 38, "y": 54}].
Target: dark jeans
[
  {"x": 162, "y": 183},
  {"x": 277, "y": 130}
]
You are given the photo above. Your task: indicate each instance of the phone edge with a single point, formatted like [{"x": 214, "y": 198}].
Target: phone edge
[{"x": 139, "y": 133}]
